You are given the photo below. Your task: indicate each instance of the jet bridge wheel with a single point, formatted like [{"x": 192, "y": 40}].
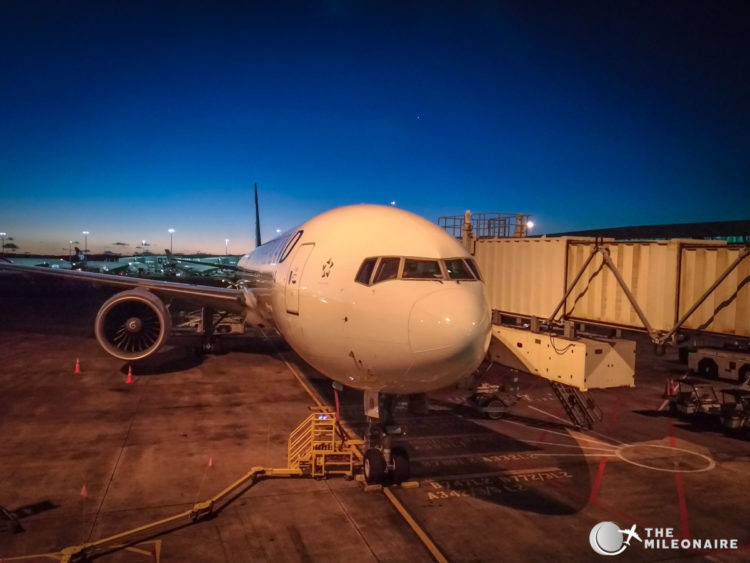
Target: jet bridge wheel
[{"x": 374, "y": 466}]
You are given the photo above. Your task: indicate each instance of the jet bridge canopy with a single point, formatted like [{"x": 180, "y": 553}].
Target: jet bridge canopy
[{"x": 661, "y": 286}]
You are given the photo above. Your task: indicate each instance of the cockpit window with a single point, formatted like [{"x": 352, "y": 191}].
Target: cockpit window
[
  {"x": 387, "y": 269},
  {"x": 365, "y": 271},
  {"x": 474, "y": 268},
  {"x": 422, "y": 269},
  {"x": 379, "y": 269},
  {"x": 458, "y": 270}
]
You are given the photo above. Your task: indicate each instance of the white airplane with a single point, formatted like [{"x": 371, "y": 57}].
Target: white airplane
[
  {"x": 631, "y": 533},
  {"x": 373, "y": 297}
]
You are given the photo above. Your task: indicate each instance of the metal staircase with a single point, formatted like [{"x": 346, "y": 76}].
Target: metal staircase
[
  {"x": 582, "y": 411},
  {"x": 317, "y": 448}
]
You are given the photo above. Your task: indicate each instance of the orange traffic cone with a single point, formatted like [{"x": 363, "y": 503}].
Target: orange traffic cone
[
  {"x": 129, "y": 380},
  {"x": 78, "y": 366}
]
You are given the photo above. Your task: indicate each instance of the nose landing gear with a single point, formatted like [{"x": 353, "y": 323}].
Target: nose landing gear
[{"x": 383, "y": 462}]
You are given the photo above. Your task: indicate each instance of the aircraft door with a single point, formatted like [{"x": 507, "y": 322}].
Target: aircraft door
[{"x": 294, "y": 278}]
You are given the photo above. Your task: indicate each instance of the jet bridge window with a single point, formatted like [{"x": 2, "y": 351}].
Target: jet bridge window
[
  {"x": 458, "y": 270},
  {"x": 421, "y": 270}
]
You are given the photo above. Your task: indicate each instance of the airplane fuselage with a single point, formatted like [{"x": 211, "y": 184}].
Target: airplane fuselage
[{"x": 374, "y": 297}]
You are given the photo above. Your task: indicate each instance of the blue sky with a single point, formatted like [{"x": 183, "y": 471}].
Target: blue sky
[{"x": 128, "y": 118}]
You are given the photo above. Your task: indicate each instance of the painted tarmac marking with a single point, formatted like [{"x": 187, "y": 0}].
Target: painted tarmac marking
[
  {"x": 581, "y": 437},
  {"x": 491, "y": 484},
  {"x": 710, "y": 463},
  {"x": 567, "y": 422},
  {"x": 597, "y": 480},
  {"x": 602, "y": 448}
]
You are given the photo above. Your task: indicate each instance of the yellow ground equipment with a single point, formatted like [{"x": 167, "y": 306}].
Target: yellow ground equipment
[{"x": 317, "y": 447}]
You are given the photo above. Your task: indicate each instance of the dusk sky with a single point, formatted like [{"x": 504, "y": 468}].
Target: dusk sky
[{"x": 127, "y": 118}]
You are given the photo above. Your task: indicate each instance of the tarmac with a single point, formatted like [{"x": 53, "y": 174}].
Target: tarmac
[{"x": 87, "y": 455}]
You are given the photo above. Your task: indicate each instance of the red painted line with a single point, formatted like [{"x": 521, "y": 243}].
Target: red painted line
[
  {"x": 683, "y": 506},
  {"x": 603, "y": 462},
  {"x": 615, "y": 412},
  {"x": 684, "y": 523},
  {"x": 597, "y": 480}
]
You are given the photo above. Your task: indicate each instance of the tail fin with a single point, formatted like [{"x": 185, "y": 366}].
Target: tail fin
[{"x": 257, "y": 218}]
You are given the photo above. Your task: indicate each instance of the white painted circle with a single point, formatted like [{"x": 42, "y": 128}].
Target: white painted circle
[{"x": 681, "y": 460}]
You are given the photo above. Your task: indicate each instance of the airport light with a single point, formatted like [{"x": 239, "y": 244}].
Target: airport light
[
  {"x": 70, "y": 250},
  {"x": 226, "y": 247},
  {"x": 3, "y": 234},
  {"x": 171, "y": 232},
  {"x": 530, "y": 224},
  {"x": 85, "y": 240}
]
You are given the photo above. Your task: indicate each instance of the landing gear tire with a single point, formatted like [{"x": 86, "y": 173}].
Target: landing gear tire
[
  {"x": 401, "y": 471},
  {"x": 374, "y": 467}
]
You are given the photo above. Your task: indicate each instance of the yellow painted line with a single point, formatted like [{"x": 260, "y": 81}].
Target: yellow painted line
[
  {"x": 425, "y": 539},
  {"x": 303, "y": 381}
]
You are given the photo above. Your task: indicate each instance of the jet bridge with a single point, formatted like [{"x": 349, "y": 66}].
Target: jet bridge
[
  {"x": 541, "y": 289},
  {"x": 661, "y": 287}
]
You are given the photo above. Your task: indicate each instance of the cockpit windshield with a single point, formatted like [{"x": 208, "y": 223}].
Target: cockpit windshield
[
  {"x": 379, "y": 269},
  {"x": 387, "y": 269},
  {"x": 458, "y": 270},
  {"x": 421, "y": 269}
]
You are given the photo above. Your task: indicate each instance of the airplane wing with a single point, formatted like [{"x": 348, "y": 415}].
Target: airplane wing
[{"x": 217, "y": 297}]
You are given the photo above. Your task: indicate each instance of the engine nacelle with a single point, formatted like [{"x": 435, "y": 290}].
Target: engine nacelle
[{"x": 132, "y": 325}]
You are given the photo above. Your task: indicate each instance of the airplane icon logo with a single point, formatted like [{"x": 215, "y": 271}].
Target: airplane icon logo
[
  {"x": 607, "y": 538},
  {"x": 631, "y": 533}
]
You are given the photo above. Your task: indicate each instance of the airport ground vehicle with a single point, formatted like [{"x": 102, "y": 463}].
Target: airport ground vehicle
[
  {"x": 694, "y": 396},
  {"x": 726, "y": 363},
  {"x": 735, "y": 411}
]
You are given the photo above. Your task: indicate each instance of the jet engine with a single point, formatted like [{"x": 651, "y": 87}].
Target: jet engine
[{"x": 132, "y": 325}]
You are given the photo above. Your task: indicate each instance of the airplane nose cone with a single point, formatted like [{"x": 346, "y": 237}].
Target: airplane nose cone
[{"x": 451, "y": 321}]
